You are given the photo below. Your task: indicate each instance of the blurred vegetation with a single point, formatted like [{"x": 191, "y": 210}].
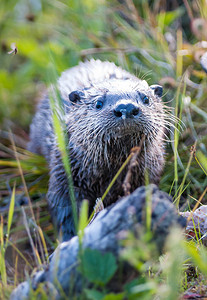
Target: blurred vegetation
[{"x": 161, "y": 41}]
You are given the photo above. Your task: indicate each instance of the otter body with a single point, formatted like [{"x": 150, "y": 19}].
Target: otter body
[{"x": 107, "y": 111}]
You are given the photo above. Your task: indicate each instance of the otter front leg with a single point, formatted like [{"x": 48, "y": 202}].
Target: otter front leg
[
  {"x": 62, "y": 216},
  {"x": 58, "y": 198}
]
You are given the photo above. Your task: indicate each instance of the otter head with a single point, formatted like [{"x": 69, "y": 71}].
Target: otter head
[
  {"x": 113, "y": 115},
  {"x": 118, "y": 105}
]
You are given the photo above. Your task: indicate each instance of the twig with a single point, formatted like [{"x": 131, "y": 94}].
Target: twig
[
  {"x": 190, "y": 14},
  {"x": 36, "y": 255},
  {"x": 133, "y": 163},
  {"x": 134, "y": 11},
  {"x": 196, "y": 205}
]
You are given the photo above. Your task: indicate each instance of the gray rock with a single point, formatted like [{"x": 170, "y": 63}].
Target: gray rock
[
  {"x": 21, "y": 292},
  {"x": 104, "y": 235},
  {"x": 203, "y": 61}
]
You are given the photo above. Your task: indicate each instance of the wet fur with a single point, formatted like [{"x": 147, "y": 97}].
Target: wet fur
[{"x": 98, "y": 144}]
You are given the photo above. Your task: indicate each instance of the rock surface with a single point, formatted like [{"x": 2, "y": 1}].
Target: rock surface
[
  {"x": 104, "y": 235},
  {"x": 196, "y": 223},
  {"x": 204, "y": 62}
]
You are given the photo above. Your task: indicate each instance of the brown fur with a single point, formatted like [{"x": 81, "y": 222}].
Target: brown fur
[{"x": 99, "y": 141}]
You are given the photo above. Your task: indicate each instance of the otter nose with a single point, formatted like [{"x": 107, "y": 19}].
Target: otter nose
[{"x": 126, "y": 110}]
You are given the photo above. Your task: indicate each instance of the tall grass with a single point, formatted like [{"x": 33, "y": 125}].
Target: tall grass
[
  {"x": 62, "y": 140},
  {"x": 4, "y": 244}
]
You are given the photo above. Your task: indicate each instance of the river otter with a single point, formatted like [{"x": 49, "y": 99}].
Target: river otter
[{"x": 107, "y": 111}]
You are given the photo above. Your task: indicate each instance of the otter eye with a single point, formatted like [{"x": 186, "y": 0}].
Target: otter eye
[
  {"x": 145, "y": 100},
  {"x": 75, "y": 96},
  {"x": 99, "y": 104}
]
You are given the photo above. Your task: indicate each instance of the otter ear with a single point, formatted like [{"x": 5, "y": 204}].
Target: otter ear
[
  {"x": 75, "y": 96},
  {"x": 157, "y": 89}
]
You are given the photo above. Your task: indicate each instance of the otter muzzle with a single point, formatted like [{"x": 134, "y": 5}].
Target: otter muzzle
[{"x": 125, "y": 111}]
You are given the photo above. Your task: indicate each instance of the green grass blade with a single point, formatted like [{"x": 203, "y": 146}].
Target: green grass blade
[
  {"x": 61, "y": 134},
  {"x": 148, "y": 204},
  {"x": 11, "y": 212},
  {"x": 83, "y": 219},
  {"x": 61, "y": 139},
  {"x": 2, "y": 254}
]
